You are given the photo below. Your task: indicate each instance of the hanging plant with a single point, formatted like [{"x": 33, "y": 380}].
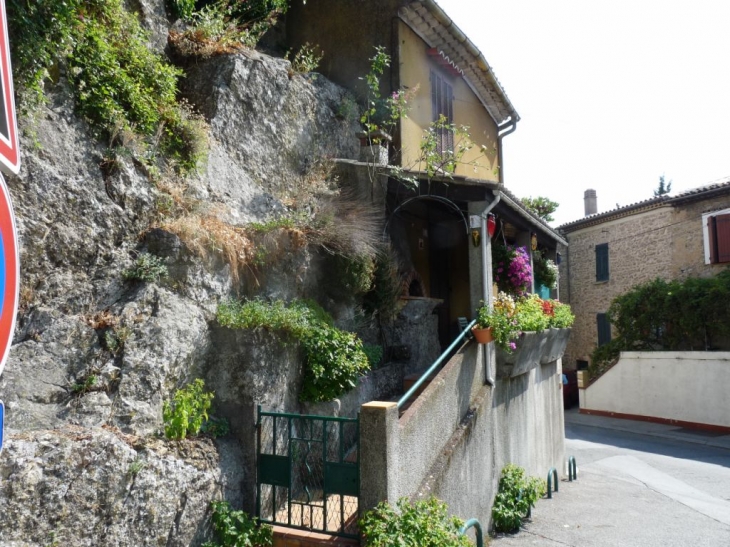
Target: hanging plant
[
  {"x": 511, "y": 268},
  {"x": 546, "y": 271}
]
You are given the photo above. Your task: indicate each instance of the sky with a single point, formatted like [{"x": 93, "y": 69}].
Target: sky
[{"x": 611, "y": 94}]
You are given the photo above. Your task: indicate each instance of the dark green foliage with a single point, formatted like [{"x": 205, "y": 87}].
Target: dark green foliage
[
  {"x": 419, "y": 524},
  {"x": 40, "y": 34},
  {"x": 517, "y": 493},
  {"x": 663, "y": 188},
  {"x": 182, "y": 8},
  {"x": 334, "y": 359},
  {"x": 187, "y": 411},
  {"x": 355, "y": 273},
  {"x": 85, "y": 385},
  {"x": 382, "y": 299},
  {"x": 216, "y": 427},
  {"x": 254, "y": 10},
  {"x": 668, "y": 315},
  {"x": 374, "y": 354},
  {"x": 237, "y": 529},
  {"x": 119, "y": 82}
]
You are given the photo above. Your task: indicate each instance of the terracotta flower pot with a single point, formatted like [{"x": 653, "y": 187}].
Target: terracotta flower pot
[{"x": 482, "y": 336}]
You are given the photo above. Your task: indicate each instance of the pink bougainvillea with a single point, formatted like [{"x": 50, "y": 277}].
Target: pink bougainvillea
[{"x": 512, "y": 270}]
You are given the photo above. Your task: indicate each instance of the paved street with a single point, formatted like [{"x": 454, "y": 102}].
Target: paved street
[{"x": 639, "y": 485}]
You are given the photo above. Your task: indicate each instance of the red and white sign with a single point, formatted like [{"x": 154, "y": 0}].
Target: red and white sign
[
  {"x": 9, "y": 273},
  {"x": 9, "y": 147}
]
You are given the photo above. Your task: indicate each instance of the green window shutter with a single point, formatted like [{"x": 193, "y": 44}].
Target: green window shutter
[
  {"x": 602, "y": 262},
  {"x": 604, "y": 329}
]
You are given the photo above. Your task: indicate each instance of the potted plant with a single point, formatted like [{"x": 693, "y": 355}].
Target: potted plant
[{"x": 500, "y": 322}]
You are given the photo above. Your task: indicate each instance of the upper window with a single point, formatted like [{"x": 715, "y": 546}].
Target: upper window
[
  {"x": 442, "y": 104},
  {"x": 604, "y": 329},
  {"x": 602, "y": 262},
  {"x": 716, "y": 231}
]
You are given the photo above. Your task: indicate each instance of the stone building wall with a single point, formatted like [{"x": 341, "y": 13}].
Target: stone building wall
[
  {"x": 638, "y": 251},
  {"x": 664, "y": 241}
]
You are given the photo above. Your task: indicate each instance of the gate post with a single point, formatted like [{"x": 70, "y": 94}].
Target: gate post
[{"x": 379, "y": 454}]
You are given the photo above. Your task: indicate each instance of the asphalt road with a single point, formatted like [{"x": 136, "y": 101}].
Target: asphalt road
[{"x": 635, "y": 489}]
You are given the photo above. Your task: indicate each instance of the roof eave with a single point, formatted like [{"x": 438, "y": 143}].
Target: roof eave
[{"x": 437, "y": 30}]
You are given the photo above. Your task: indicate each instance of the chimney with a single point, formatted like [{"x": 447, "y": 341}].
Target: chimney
[{"x": 591, "y": 205}]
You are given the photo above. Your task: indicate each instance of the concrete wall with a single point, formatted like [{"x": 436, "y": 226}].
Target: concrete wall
[
  {"x": 664, "y": 242},
  {"x": 459, "y": 434},
  {"x": 688, "y": 386}
]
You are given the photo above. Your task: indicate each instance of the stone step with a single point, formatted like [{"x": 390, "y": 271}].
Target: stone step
[
  {"x": 291, "y": 537},
  {"x": 309, "y": 517}
]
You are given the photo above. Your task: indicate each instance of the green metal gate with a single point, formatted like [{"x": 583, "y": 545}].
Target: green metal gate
[{"x": 308, "y": 472}]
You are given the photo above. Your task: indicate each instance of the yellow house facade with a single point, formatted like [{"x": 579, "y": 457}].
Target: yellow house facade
[{"x": 442, "y": 90}]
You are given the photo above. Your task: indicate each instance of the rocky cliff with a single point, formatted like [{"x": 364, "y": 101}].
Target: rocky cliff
[{"x": 95, "y": 354}]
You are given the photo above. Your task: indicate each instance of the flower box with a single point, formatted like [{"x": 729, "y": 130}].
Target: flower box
[
  {"x": 555, "y": 344},
  {"x": 532, "y": 349}
]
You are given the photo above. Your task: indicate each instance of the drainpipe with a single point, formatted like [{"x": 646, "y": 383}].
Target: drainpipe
[
  {"x": 511, "y": 126},
  {"x": 486, "y": 293},
  {"x": 486, "y": 268}
]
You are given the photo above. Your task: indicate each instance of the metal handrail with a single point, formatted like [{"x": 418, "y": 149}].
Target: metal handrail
[
  {"x": 433, "y": 367},
  {"x": 475, "y": 524}
]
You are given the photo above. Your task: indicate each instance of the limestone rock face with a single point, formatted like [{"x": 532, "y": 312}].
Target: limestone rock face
[
  {"x": 95, "y": 356},
  {"x": 273, "y": 125},
  {"x": 97, "y": 486}
]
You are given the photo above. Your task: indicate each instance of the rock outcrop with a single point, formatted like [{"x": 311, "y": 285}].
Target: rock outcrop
[{"x": 95, "y": 355}]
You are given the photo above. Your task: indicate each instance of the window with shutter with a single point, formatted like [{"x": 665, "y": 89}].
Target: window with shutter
[
  {"x": 442, "y": 104},
  {"x": 602, "y": 262},
  {"x": 718, "y": 236},
  {"x": 604, "y": 329}
]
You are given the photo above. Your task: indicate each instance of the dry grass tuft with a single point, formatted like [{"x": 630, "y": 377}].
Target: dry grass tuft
[
  {"x": 322, "y": 214},
  {"x": 348, "y": 225},
  {"x": 206, "y": 233}
]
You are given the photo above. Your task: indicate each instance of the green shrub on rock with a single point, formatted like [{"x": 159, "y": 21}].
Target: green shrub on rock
[
  {"x": 334, "y": 359},
  {"x": 187, "y": 411},
  {"x": 120, "y": 86},
  {"x": 147, "y": 267}
]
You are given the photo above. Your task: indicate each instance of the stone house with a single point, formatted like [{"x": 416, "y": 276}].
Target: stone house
[
  {"x": 687, "y": 235},
  {"x": 435, "y": 221}
]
